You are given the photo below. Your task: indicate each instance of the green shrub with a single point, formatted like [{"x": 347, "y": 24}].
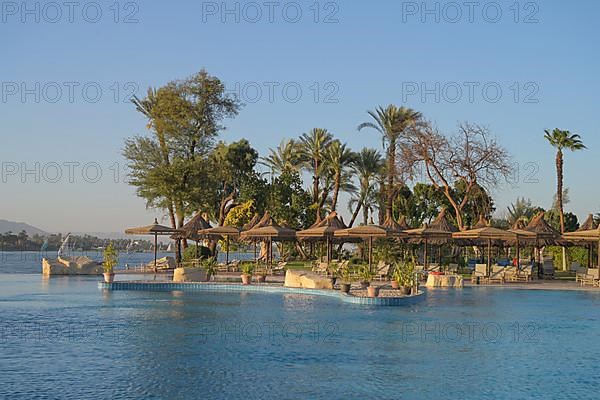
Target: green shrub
[{"x": 189, "y": 254}]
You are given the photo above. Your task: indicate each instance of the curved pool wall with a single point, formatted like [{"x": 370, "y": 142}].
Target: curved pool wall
[{"x": 218, "y": 287}]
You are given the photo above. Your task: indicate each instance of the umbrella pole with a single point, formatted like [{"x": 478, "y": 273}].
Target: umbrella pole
[
  {"x": 370, "y": 252},
  {"x": 425, "y": 256},
  {"x": 489, "y": 260},
  {"x": 227, "y": 252},
  {"x": 518, "y": 258},
  {"x": 155, "y": 244}
]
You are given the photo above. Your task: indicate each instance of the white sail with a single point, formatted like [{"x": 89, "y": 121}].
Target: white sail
[
  {"x": 170, "y": 247},
  {"x": 65, "y": 245},
  {"x": 130, "y": 246}
]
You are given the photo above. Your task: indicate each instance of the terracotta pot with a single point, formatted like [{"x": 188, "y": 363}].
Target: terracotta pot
[
  {"x": 345, "y": 287},
  {"x": 109, "y": 277},
  {"x": 246, "y": 279},
  {"x": 261, "y": 278},
  {"x": 395, "y": 284},
  {"x": 405, "y": 290},
  {"x": 373, "y": 291}
]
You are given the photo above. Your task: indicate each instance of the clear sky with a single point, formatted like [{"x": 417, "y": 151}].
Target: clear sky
[{"x": 446, "y": 59}]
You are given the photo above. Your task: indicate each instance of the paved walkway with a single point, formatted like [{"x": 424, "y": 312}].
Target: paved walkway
[{"x": 541, "y": 285}]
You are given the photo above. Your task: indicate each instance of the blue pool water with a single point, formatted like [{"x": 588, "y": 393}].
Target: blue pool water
[{"x": 64, "y": 338}]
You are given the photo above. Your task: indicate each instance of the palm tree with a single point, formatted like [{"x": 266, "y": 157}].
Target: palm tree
[
  {"x": 392, "y": 123},
  {"x": 283, "y": 158},
  {"x": 312, "y": 148},
  {"x": 561, "y": 140},
  {"x": 368, "y": 165},
  {"x": 339, "y": 160},
  {"x": 521, "y": 210}
]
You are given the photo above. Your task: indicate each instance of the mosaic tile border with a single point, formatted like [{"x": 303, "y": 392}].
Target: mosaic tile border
[{"x": 264, "y": 288}]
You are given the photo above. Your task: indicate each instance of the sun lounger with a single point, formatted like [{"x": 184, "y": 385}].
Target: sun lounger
[
  {"x": 497, "y": 274},
  {"x": 480, "y": 273},
  {"x": 321, "y": 268},
  {"x": 279, "y": 268},
  {"x": 592, "y": 277},
  {"x": 383, "y": 270},
  {"x": 548, "y": 269},
  {"x": 433, "y": 268},
  {"x": 523, "y": 275},
  {"x": 453, "y": 268}
]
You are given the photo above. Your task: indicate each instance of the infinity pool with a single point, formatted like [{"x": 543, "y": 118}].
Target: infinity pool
[{"x": 63, "y": 338}]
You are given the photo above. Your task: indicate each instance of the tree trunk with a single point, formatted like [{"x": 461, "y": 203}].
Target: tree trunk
[
  {"x": 355, "y": 214},
  {"x": 559, "y": 189},
  {"x": 559, "y": 200},
  {"x": 336, "y": 192},
  {"x": 300, "y": 250},
  {"x": 390, "y": 178}
]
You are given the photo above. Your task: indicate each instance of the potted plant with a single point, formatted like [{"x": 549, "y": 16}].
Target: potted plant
[
  {"x": 396, "y": 277},
  {"x": 247, "y": 270},
  {"x": 367, "y": 275},
  {"x": 346, "y": 283},
  {"x": 210, "y": 266},
  {"x": 404, "y": 275},
  {"x": 111, "y": 259},
  {"x": 261, "y": 277}
]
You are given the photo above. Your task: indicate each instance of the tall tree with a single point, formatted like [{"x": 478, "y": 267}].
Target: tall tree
[
  {"x": 562, "y": 140},
  {"x": 392, "y": 123},
  {"x": 184, "y": 116},
  {"x": 312, "y": 150},
  {"x": 460, "y": 165},
  {"x": 339, "y": 161},
  {"x": 283, "y": 158},
  {"x": 368, "y": 166}
]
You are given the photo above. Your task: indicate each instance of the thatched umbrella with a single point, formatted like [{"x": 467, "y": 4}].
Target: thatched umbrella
[
  {"x": 393, "y": 228},
  {"x": 270, "y": 230},
  {"x": 545, "y": 235},
  {"x": 367, "y": 232},
  {"x": 189, "y": 231},
  {"x": 587, "y": 236},
  {"x": 439, "y": 232},
  {"x": 217, "y": 231},
  {"x": 324, "y": 230},
  {"x": 153, "y": 229},
  {"x": 589, "y": 224},
  {"x": 490, "y": 234}
]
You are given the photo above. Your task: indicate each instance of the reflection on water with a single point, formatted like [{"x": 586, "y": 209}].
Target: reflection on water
[
  {"x": 30, "y": 262},
  {"x": 163, "y": 345}
]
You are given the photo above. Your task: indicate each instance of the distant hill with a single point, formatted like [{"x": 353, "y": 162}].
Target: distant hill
[{"x": 16, "y": 227}]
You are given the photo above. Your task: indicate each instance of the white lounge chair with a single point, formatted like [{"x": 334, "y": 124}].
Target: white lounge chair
[
  {"x": 592, "y": 277},
  {"x": 480, "y": 273}
]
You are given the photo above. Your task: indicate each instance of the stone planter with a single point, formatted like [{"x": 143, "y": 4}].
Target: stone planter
[
  {"x": 405, "y": 290},
  {"x": 109, "y": 277},
  {"x": 373, "y": 291},
  {"x": 345, "y": 287},
  {"x": 189, "y": 275},
  {"x": 246, "y": 279}
]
